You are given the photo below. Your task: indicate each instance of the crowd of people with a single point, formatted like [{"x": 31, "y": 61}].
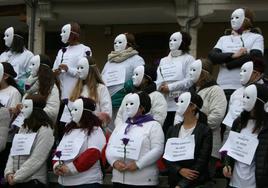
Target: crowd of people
[{"x": 134, "y": 118}]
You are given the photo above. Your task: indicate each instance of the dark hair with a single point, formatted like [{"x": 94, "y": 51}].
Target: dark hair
[
  {"x": 249, "y": 18},
  {"x": 260, "y": 115},
  {"x": 88, "y": 120},
  {"x": 198, "y": 101},
  {"x": 131, "y": 42},
  {"x": 9, "y": 70},
  {"x": 18, "y": 44},
  {"x": 38, "y": 117},
  {"x": 186, "y": 42},
  {"x": 75, "y": 32},
  {"x": 145, "y": 101},
  {"x": 46, "y": 77}
]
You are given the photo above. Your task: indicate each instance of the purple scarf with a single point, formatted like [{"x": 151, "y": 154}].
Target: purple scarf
[{"x": 138, "y": 121}]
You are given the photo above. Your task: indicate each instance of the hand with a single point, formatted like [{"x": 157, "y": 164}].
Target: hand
[
  {"x": 58, "y": 171},
  {"x": 64, "y": 169},
  {"x": 10, "y": 179},
  {"x": 57, "y": 72},
  {"x": 63, "y": 67},
  {"x": 227, "y": 171},
  {"x": 239, "y": 53},
  {"x": 132, "y": 166},
  {"x": 104, "y": 117},
  {"x": 189, "y": 174},
  {"x": 120, "y": 166},
  {"x": 177, "y": 186},
  {"x": 164, "y": 88},
  {"x": 15, "y": 110}
]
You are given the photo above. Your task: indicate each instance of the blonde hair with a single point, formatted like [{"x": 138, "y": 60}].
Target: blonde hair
[{"x": 92, "y": 81}]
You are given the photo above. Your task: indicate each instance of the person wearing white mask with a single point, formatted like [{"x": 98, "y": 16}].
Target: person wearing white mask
[
  {"x": 243, "y": 44},
  {"x": 67, "y": 58},
  {"x": 193, "y": 171},
  {"x": 28, "y": 167},
  {"x": 91, "y": 85},
  {"x": 143, "y": 80},
  {"x": 173, "y": 73},
  {"x": 214, "y": 105},
  {"x": 81, "y": 167},
  {"x": 251, "y": 123},
  {"x": 119, "y": 69},
  {"x": 42, "y": 81},
  {"x": 251, "y": 72},
  {"x": 17, "y": 55},
  {"x": 143, "y": 137}
]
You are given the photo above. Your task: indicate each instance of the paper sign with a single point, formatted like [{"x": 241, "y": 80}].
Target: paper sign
[
  {"x": 178, "y": 149},
  {"x": 71, "y": 144},
  {"x": 22, "y": 144},
  {"x": 132, "y": 148},
  {"x": 114, "y": 77},
  {"x": 240, "y": 147},
  {"x": 169, "y": 71},
  {"x": 19, "y": 120}
]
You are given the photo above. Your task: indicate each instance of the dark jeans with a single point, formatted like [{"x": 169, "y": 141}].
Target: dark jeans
[
  {"x": 3, "y": 158},
  {"x": 119, "y": 185},
  {"x": 93, "y": 185},
  {"x": 169, "y": 121}
]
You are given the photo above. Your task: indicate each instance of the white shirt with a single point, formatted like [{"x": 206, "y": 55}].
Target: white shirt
[
  {"x": 11, "y": 95},
  {"x": 19, "y": 61},
  {"x": 182, "y": 81},
  {"x": 70, "y": 58},
  {"x": 185, "y": 132},
  {"x": 243, "y": 174},
  {"x": 229, "y": 79}
]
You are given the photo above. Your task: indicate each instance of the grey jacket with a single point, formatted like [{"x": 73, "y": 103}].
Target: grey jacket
[
  {"x": 33, "y": 166},
  {"x": 4, "y": 123}
]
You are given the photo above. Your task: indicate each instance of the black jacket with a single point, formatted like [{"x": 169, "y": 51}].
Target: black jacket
[
  {"x": 203, "y": 148},
  {"x": 261, "y": 155}
]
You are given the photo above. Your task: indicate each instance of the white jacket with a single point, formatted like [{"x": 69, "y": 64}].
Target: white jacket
[
  {"x": 4, "y": 123},
  {"x": 151, "y": 150},
  {"x": 158, "y": 109},
  {"x": 214, "y": 106}
]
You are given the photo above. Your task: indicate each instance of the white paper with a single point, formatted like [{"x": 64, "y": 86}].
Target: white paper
[
  {"x": 22, "y": 144},
  {"x": 240, "y": 147},
  {"x": 66, "y": 115},
  {"x": 114, "y": 77},
  {"x": 19, "y": 120},
  {"x": 4, "y": 99},
  {"x": 169, "y": 71},
  {"x": 71, "y": 144},
  {"x": 178, "y": 149},
  {"x": 133, "y": 147}
]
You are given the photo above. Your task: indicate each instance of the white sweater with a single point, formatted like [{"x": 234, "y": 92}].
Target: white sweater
[
  {"x": 70, "y": 58},
  {"x": 177, "y": 85},
  {"x": 129, "y": 65},
  {"x": 158, "y": 109},
  {"x": 19, "y": 61},
  {"x": 10, "y": 97},
  {"x": 151, "y": 150}
]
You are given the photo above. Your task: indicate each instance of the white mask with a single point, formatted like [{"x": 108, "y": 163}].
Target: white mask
[
  {"x": 195, "y": 70},
  {"x": 34, "y": 65},
  {"x": 77, "y": 110},
  {"x": 237, "y": 19},
  {"x": 9, "y": 35},
  {"x": 83, "y": 68},
  {"x": 266, "y": 107},
  {"x": 65, "y": 33},
  {"x": 246, "y": 72},
  {"x": 249, "y": 97},
  {"x": 27, "y": 108},
  {"x": 183, "y": 103},
  {"x": 138, "y": 74},
  {"x": 132, "y": 104},
  {"x": 1, "y": 71},
  {"x": 175, "y": 41},
  {"x": 120, "y": 43}
]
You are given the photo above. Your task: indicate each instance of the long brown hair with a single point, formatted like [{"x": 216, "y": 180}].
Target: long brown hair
[{"x": 92, "y": 81}]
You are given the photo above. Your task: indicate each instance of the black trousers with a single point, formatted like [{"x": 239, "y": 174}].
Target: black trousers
[
  {"x": 119, "y": 185},
  {"x": 169, "y": 121},
  {"x": 30, "y": 184}
]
